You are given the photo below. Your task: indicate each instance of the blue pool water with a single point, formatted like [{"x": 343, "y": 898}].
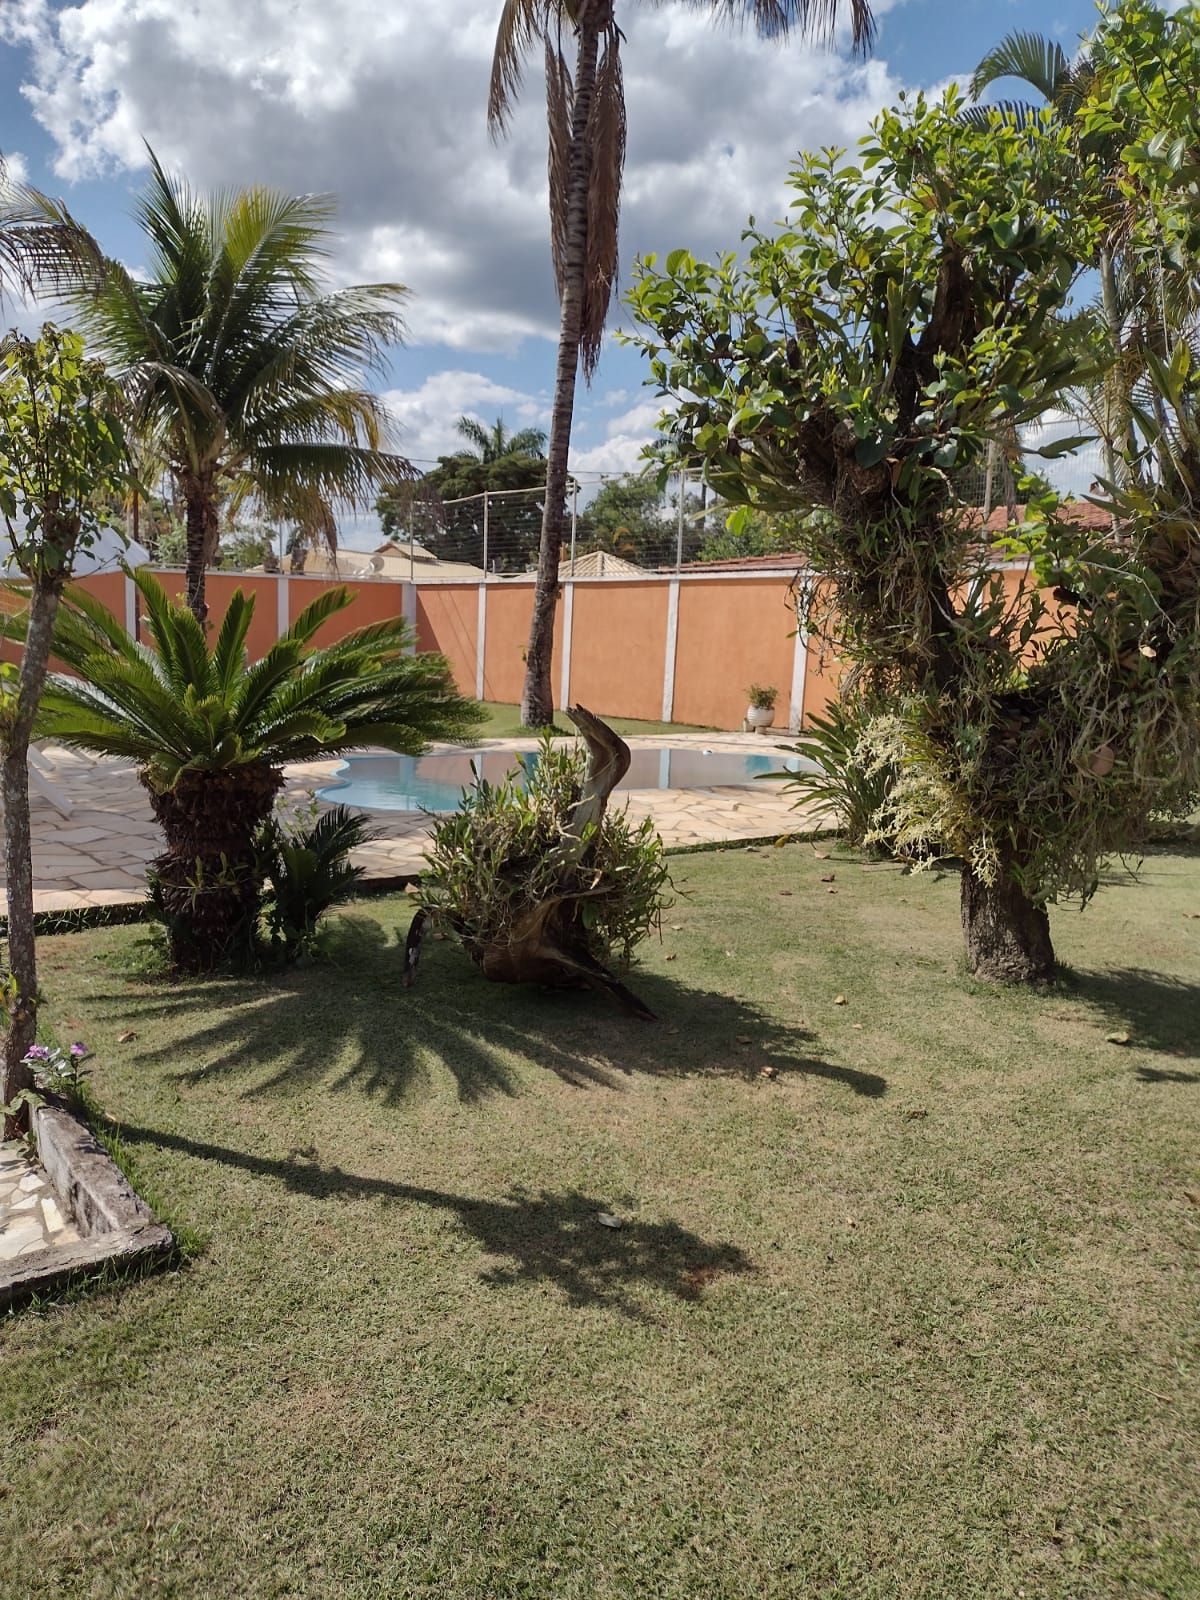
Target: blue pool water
[{"x": 435, "y": 783}]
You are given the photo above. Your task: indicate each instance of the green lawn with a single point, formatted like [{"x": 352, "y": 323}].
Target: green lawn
[
  {"x": 504, "y": 722},
  {"x": 915, "y": 1316}
]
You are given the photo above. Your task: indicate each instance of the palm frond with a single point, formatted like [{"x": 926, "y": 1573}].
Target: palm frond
[
  {"x": 606, "y": 135},
  {"x": 522, "y": 24},
  {"x": 777, "y": 19},
  {"x": 1041, "y": 62},
  {"x": 41, "y": 244}
]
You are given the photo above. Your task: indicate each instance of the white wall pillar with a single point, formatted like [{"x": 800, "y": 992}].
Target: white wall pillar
[
  {"x": 480, "y": 640},
  {"x": 668, "y": 699},
  {"x": 283, "y": 612},
  {"x": 408, "y": 610},
  {"x": 564, "y": 693},
  {"x": 799, "y": 659}
]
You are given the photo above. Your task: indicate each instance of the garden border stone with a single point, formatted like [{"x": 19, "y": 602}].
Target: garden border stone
[{"x": 118, "y": 1227}]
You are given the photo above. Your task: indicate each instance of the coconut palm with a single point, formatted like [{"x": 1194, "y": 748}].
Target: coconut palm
[
  {"x": 586, "y": 110},
  {"x": 210, "y": 733},
  {"x": 41, "y": 244},
  {"x": 244, "y": 372},
  {"x": 494, "y": 443}
]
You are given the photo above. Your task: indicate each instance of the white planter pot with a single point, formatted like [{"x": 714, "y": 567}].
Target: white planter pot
[{"x": 759, "y": 718}]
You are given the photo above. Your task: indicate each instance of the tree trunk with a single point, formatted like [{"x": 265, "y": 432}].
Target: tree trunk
[
  {"x": 200, "y": 498},
  {"x": 18, "y": 853},
  {"x": 537, "y": 698},
  {"x": 1008, "y": 937},
  {"x": 208, "y": 882}
]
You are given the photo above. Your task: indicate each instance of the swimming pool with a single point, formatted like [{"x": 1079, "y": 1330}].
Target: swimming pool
[{"x": 435, "y": 783}]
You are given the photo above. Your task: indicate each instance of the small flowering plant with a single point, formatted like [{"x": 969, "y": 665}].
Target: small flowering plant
[{"x": 59, "y": 1070}]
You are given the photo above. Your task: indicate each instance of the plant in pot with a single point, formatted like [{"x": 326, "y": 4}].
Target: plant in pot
[{"x": 760, "y": 713}]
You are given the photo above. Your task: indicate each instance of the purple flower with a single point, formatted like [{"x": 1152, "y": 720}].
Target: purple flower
[
  {"x": 79, "y": 1050},
  {"x": 37, "y": 1052}
]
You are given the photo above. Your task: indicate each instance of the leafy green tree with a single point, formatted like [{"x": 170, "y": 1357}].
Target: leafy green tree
[
  {"x": 243, "y": 372},
  {"x": 847, "y": 369},
  {"x": 211, "y": 733},
  {"x": 746, "y": 532},
  {"x": 627, "y": 518},
  {"x": 62, "y": 463},
  {"x": 444, "y": 510},
  {"x": 586, "y": 111}
]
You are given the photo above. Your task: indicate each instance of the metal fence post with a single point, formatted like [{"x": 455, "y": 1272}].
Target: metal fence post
[
  {"x": 485, "y": 535},
  {"x": 574, "y": 521},
  {"x": 679, "y": 533}
]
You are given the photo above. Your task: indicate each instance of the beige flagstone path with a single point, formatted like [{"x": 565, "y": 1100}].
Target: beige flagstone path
[{"x": 97, "y": 855}]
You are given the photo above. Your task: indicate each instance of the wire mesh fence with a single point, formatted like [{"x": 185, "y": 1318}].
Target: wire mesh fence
[{"x": 614, "y": 525}]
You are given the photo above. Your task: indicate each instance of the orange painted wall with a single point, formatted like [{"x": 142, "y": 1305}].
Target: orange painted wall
[
  {"x": 618, "y": 636},
  {"x": 372, "y": 602},
  {"x": 448, "y": 620},
  {"x": 509, "y": 608},
  {"x": 732, "y": 634}
]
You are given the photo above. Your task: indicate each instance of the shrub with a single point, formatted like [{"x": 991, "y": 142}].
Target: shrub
[
  {"x": 852, "y": 780},
  {"x": 306, "y": 863}
]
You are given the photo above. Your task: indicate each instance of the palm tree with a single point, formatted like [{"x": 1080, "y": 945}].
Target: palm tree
[
  {"x": 210, "y": 734},
  {"x": 586, "y": 110},
  {"x": 41, "y": 244},
  {"x": 492, "y": 444},
  {"x": 243, "y": 371}
]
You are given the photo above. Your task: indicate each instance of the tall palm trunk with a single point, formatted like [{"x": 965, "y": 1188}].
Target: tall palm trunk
[
  {"x": 18, "y": 850},
  {"x": 208, "y": 884},
  {"x": 200, "y": 498},
  {"x": 537, "y": 698}
]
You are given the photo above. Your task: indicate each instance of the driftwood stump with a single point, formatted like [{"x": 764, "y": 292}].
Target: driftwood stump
[{"x": 548, "y": 943}]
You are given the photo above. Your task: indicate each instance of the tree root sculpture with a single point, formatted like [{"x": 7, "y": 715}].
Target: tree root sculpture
[{"x": 546, "y": 941}]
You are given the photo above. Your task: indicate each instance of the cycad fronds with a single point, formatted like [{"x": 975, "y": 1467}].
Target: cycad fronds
[{"x": 188, "y": 701}]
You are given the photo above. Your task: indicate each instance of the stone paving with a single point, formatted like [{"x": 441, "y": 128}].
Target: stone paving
[
  {"x": 97, "y": 854},
  {"x": 32, "y": 1217}
]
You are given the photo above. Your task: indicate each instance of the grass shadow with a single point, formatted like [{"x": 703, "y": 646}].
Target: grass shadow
[
  {"x": 532, "y": 1237},
  {"x": 349, "y": 1022},
  {"x": 1160, "y": 1010}
]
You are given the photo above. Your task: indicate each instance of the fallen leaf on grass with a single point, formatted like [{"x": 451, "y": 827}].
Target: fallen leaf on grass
[
  {"x": 1191, "y": 1197},
  {"x": 677, "y": 927},
  {"x": 1116, "y": 1038},
  {"x": 672, "y": 1030},
  {"x": 858, "y": 1025},
  {"x": 768, "y": 1072},
  {"x": 744, "y": 1038},
  {"x": 914, "y": 1116},
  {"x": 840, "y": 1000},
  {"x": 821, "y": 855},
  {"x": 607, "y": 1220},
  {"x": 1192, "y": 916},
  {"x": 785, "y": 892},
  {"x": 673, "y": 956},
  {"x": 124, "y": 1038},
  {"x": 828, "y": 877},
  {"x": 831, "y": 891}
]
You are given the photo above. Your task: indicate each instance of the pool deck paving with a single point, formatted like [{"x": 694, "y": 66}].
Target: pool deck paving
[{"x": 97, "y": 853}]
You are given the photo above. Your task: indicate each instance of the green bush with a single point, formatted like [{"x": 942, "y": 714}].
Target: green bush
[
  {"x": 307, "y": 867},
  {"x": 503, "y": 854},
  {"x": 851, "y": 782}
]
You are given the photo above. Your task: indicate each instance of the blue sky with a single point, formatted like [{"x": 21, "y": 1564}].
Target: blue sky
[{"x": 384, "y": 107}]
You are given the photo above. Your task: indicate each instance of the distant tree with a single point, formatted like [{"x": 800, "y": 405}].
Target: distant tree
[
  {"x": 62, "y": 466},
  {"x": 629, "y": 518},
  {"x": 746, "y": 532},
  {"x": 432, "y": 511},
  {"x": 492, "y": 444}
]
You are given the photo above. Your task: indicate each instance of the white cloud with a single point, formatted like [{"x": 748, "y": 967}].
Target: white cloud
[
  {"x": 1073, "y": 474},
  {"x": 426, "y": 417},
  {"x": 625, "y": 437},
  {"x": 385, "y": 108}
]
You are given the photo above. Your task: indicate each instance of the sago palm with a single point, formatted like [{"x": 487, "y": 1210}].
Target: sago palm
[
  {"x": 586, "y": 111},
  {"x": 243, "y": 370},
  {"x": 211, "y": 733}
]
